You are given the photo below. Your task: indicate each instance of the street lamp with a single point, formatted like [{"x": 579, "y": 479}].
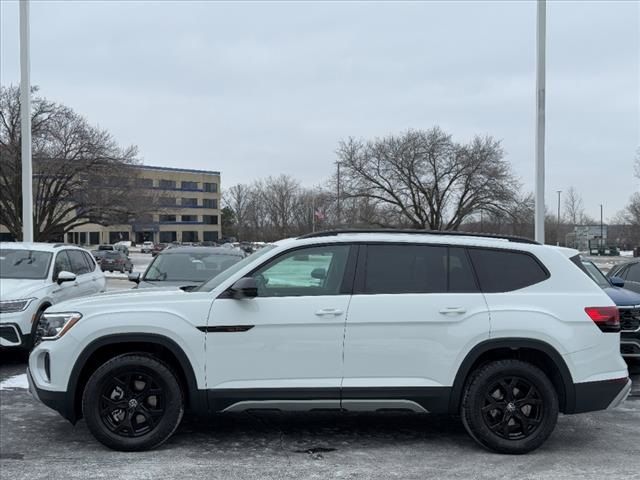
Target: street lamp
[
  {"x": 540, "y": 117},
  {"x": 25, "y": 125}
]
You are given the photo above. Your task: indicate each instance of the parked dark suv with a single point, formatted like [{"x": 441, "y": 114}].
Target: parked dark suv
[{"x": 629, "y": 272}]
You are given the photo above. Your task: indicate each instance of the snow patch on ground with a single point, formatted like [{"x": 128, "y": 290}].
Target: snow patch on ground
[{"x": 17, "y": 381}]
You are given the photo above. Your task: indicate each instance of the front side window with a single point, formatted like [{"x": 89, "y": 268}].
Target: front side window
[
  {"x": 304, "y": 272},
  {"x": 229, "y": 272},
  {"x": 78, "y": 263},
  {"x": 505, "y": 271},
  {"x": 25, "y": 264},
  {"x": 62, "y": 264},
  {"x": 191, "y": 267},
  {"x": 393, "y": 269}
]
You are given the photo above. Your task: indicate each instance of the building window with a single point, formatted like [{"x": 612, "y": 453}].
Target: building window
[
  {"x": 167, "y": 201},
  {"x": 189, "y": 185},
  {"x": 144, "y": 182},
  {"x": 167, "y": 218},
  {"x": 189, "y": 202},
  {"x": 210, "y": 219},
  {"x": 210, "y": 202},
  {"x": 190, "y": 237},
  {"x": 94, "y": 238},
  {"x": 167, "y": 184},
  {"x": 209, "y": 236},
  {"x": 115, "y": 237},
  {"x": 168, "y": 237},
  {"x": 210, "y": 187},
  {"x": 189, "y": 218}
]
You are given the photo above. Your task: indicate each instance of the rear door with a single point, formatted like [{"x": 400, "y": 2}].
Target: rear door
[
  {"x": 98, "y": 282},
  {"x": 415, "y": 312},
  {"x": 83, "y": 275}
]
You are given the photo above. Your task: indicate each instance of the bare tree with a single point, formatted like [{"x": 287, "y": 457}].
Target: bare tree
[
  {"x": 574, "y": 206},
  {"x": 238, "y": 199},
  {"x": 427, "y": 179},
  {"x": 80, "y": 174},
  {"x": 281, "y": 198}
]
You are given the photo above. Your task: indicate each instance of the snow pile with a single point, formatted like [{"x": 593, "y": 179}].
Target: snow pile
[{"x": 17, "y": 381}]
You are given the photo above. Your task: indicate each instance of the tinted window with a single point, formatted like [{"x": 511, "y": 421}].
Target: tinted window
[
  {"x": 633, "y": 273},
  {"x": 405, "y": 269},
  {"x": 504, "y": 271},
  {"x": 78, "y": 263},
  {"x": 62, "y": 264},
  {"x": 304, "y": 272},
  {"x": 189, "y": 202},
  {"x": 27, "y": 264},
  {"x": 461, "y": 277},
  {"x": 90, "y": 261}
]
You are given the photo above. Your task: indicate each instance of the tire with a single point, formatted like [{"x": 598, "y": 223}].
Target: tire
[
  {"x": 516, "y": 422},
  {"x": 118, "y": 412}
]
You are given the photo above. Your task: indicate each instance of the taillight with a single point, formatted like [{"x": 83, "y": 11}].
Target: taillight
[{"x": 606, "y": 318}]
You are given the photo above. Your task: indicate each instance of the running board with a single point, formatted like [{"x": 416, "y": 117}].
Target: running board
[{"x": 360, "y": 405}]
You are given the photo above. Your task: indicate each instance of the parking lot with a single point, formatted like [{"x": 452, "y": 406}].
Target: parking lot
[{"x": 36, "y": 443}]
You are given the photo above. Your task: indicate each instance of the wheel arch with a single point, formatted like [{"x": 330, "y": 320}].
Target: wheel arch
[
  {"x": 110, "y": 346},
  {"x": 536, "y": 352}
]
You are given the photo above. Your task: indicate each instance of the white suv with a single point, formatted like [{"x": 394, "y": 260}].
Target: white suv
[
  {"x": 504, "y": 332},
  {"x": 34, "y": 276}
]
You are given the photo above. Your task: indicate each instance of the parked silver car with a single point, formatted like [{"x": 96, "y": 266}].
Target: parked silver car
[{"x": 186, "y": 267}]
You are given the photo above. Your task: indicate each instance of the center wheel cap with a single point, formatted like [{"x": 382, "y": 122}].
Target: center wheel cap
[
  {"x": 133, "y": 403},
  {"x": 511, "y": 407}
]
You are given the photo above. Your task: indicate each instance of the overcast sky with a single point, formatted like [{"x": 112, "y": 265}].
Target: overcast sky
[{"x": 257, "y": 89}]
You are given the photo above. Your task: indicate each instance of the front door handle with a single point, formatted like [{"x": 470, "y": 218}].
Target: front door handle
[
  {"x": 329, "y": 312},
  {"x": 453, "y": 310}
]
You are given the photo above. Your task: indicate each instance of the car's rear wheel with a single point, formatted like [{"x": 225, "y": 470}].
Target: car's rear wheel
[
  {"x": 509, "y": 406},
  {"x": 133, "y": 402}
]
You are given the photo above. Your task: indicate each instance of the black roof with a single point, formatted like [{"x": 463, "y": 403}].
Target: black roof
[{"x": 510, "y": 238}]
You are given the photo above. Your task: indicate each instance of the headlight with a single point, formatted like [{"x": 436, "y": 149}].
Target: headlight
[
  {"x": 55, "y": 325},
  {"x": 10, "y": 306}
]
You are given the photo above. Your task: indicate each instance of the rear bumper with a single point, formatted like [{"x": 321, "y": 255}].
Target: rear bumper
[{"x": 601, "y": 395}]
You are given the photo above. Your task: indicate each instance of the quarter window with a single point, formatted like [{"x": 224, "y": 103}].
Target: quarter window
[
  {"x": 405, "y": 269},
  {"x": 505, "y": 271},
  {"x": 304, "y": 272}
]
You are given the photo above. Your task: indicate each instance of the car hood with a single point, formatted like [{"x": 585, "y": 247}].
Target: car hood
[
  {"x": 15, "y": 288},
  {"x": 120, "y": 299},
  {"x": 623, "y": 297}
]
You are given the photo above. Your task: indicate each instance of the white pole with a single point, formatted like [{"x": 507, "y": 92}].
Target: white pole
[
  {"x": 540, "y": 113},
  {"x": 25, "y": 124}
]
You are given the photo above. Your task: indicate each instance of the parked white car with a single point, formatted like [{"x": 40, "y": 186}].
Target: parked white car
[
  {"x": 504, "y": 332},
  {"x": 147, "y": 247},
  {"x": 34, "y": 276}
]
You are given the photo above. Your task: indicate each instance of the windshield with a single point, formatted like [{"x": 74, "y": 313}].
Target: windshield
[
  {"x": 188, "y": 267},
  {"x": 24, "y": 264},
  {"x": 217, "y": 280},
  {"x": 595, "y": 273}
]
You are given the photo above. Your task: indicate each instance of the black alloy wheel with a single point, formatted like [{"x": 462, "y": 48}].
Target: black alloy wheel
[
  {"x": 131, "y": 403},
  {"x": 513, "y": 408}
]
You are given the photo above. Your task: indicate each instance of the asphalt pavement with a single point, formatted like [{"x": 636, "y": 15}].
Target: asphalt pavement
[{"x": 36, "y": 443}]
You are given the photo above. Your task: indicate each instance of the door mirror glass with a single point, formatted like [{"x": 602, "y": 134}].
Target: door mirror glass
[
  {"x": 134, "y": 277},
  {"x": 245, "y": 288},
  {"x": 65, "y": 276},
  {"x": 617, "y": 282}
]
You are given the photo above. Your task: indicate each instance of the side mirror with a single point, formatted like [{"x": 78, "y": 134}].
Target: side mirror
[
  {"x": 244, "y": 288},
  {"x": 134, "y": 277},
  {"x": 65, "y": 276},
  {"x": 319, "y": 273},
  {"x": 617, "y": 282}
]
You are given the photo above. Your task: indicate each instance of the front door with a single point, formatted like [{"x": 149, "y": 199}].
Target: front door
[
  {"x": 285, "y": 345},
  {"x": 65, "y": 290},
  {"x": 414, "y": 311}
]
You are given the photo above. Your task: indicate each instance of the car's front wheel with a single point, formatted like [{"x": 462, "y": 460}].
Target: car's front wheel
[
  {"x": 133, "y": 402},
  {"x": 509, "y": 406}
]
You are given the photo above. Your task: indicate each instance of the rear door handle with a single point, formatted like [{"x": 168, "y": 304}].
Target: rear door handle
[
  {"x": 329, "y": 312},
  {"x": 453, "y": 310}
]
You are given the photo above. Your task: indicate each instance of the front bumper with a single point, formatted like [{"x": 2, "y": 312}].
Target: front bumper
[
  {"x": 15, "y": 328},
  {"x": 58, "y": 401}
]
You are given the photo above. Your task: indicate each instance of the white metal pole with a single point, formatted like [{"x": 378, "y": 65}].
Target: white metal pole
[
  {"x": 25, "y": 124},
  {"x": 540, "y": 114}
]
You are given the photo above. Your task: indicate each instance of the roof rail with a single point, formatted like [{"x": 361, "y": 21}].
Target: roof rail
[
  {"x": 58, "y": 245},
  {"x": 331, "y": 233}
]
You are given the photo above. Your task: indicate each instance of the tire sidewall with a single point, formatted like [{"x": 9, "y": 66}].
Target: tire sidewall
[
  {"x": 162, "y": 374},
  {"x": 474, "y": 397}
]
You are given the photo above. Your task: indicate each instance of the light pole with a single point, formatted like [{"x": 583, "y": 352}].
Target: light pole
[
  {"x": 558, "y": 225},
  {"x": 540, "y": 117},
  {"x": 338, "y": 193},
  {"x": 601, "y": 229},
  {"x": 25, "y": 125}
]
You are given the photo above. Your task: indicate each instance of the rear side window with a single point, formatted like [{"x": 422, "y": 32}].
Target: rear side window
[
  {"x": 461, "y": 278},
  {"x": 78, "y": 263},
  {"x": 633, "y": 273},
  {"x": 505, "y": 271},
  {"x": 405, "y": 269},
  {"x": 90, "y": 261}
]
